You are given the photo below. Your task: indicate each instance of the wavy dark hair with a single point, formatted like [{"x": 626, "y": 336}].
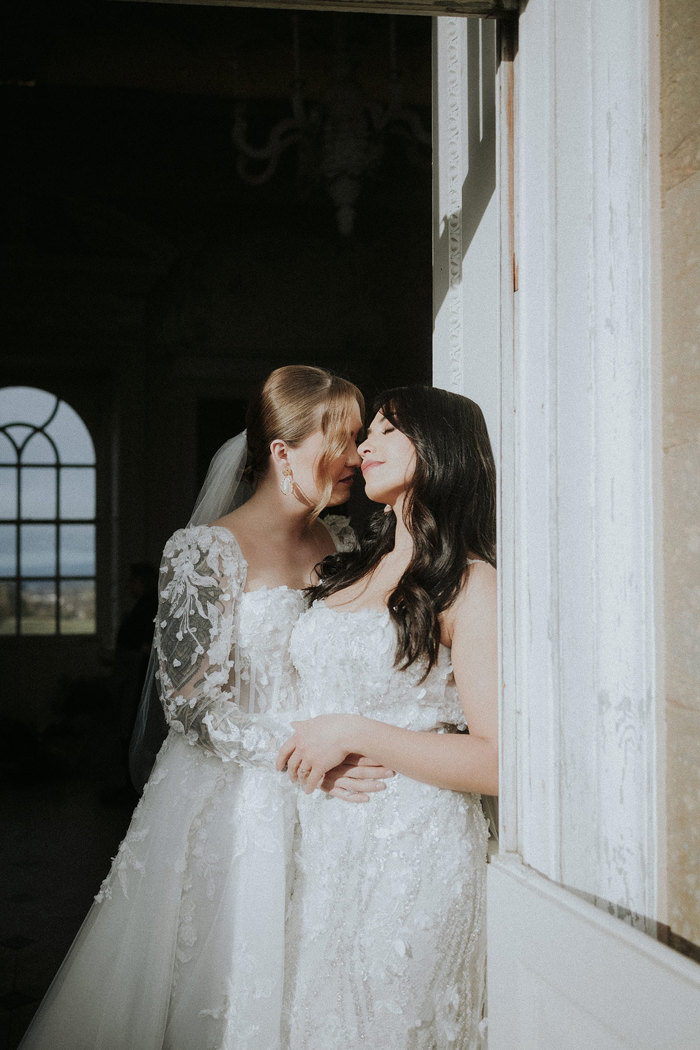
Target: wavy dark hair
[{"x": 450, "y": 512}]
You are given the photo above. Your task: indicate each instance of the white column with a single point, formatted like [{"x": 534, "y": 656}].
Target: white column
[{"x": 579, "y": 426}]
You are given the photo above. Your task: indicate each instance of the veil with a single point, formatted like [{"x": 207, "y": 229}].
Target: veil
[{"x": 223, "y": 491}]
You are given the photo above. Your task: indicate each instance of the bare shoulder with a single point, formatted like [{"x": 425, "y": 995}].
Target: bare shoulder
[
  {"x": 475, "y": 607},
  {"x": 482, "y": 581},
  {"x": 244, "y": 526},
  {"x": 478, "y": 595},
  {"x": 234, "y": 518}
]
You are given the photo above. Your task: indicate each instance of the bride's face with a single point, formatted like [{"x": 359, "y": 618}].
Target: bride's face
[
  {"x": 388, "y": 461},
  {"x": 342, "y": 470}
]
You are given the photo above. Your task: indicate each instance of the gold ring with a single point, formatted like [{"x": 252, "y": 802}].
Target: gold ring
[{"x": 304, "y": 773}]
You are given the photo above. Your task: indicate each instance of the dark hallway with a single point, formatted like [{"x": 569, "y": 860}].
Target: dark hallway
[{"x": 150, "y": 287}]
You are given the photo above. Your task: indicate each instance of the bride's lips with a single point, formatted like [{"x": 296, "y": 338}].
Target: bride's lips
[
  {"x": 369, "y": 463},
  {"x": 347, "y": 480}
]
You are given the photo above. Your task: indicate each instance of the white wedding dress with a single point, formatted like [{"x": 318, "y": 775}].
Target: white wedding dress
[
  {"x": 386, "y": 928},
  {"x": 184, "y": 948}
]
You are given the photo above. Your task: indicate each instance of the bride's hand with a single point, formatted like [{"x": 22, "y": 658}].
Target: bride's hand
[
  {"x": 355, "y": 779},
  {"x": 317, "y": 746}
]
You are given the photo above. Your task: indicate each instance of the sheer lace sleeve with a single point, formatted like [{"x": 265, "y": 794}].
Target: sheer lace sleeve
[
  {"x": 342, "y": 531},
  {"x": 202, "y": 578}
]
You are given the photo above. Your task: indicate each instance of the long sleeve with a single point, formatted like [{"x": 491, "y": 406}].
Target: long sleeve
[{"x": 202, "y": 579}]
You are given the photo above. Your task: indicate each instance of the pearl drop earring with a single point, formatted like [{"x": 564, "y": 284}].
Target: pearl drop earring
[{"x": 287, "y": 485}]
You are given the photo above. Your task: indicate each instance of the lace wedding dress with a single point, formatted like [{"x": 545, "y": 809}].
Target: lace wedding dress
[
  {"x": 386, "y": 928},
  {"x": 184, "y": 947}
]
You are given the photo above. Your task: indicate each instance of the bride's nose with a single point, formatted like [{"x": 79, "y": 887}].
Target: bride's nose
[
  {"x": 364, "y": 449},
  {"x": 353, "y": 455}
]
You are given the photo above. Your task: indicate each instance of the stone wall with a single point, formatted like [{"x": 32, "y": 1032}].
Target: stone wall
[{"x": 680, "y": 184}]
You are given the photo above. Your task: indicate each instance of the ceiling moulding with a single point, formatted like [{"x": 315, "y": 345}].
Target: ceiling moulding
[{"x": 474, "y": 8}]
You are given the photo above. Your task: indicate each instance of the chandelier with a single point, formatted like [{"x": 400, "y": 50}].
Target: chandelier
[{"x": 341, "y": 138}]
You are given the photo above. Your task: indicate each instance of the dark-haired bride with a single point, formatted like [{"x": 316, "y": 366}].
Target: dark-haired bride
[{"x": 397, "y": 657}]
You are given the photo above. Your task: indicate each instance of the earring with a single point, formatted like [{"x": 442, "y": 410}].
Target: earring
[
  {"x": 388, "y": 509},
  {"x": 287, "y": 485}
]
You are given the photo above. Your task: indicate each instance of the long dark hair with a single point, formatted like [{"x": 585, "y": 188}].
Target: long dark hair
[{"x": 449, "y": 511}]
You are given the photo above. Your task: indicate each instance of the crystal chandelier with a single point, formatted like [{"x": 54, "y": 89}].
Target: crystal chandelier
[{"x": 340, "y": 139}]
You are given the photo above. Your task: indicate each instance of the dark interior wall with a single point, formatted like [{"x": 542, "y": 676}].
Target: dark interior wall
[{"x": 152, "y": 288}]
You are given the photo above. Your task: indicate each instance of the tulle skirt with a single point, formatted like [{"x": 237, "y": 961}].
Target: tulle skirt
[{"x": 184, "y": 946}]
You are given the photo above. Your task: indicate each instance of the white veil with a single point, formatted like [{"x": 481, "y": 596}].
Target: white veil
[{"x": 223, "y": 491}]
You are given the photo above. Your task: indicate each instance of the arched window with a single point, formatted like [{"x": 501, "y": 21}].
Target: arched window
[{"x": 47, "y": 516}]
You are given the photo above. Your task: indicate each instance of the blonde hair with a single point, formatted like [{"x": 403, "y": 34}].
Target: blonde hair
[{"x": 288, "y": 407}]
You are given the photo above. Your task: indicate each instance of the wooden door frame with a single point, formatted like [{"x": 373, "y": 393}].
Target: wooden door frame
[{"x": 456, "y": 8}]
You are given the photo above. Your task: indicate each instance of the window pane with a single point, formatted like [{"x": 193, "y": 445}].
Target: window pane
[
  {"x": 38, "y": 550},
  {"x": 71, "y": 436},
  {"x": 77, "y": 607},
  {"x": 38, "y": 493},
  {"x": 8, "y": 593},
  {"x": 38, "y": 450},
  {"x": 8, "y": 550},
  {"x": 7, "y": 450},
  {"x": 8, "y": 492},
  {"x": 38, "y": 607},
  {"x": 19, "y": 434},
  {"x": 78, "y": 492},
  {"x": 77, "y": 550},
  {"x": 25, "y": 403},
  {"x": 48, "y": 553}
]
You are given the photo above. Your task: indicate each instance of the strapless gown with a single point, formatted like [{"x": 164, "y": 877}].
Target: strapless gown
[{"x": 386, "y": 934}]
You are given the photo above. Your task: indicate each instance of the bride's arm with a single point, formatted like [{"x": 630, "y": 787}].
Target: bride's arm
[
  {"x": 203, "y": 577},
  {"x": 448, "y": 760},
  {"x": 199, "y": 681}
]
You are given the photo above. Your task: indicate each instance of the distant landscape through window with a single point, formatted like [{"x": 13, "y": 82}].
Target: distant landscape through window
[{"x": 47, "y": 516}]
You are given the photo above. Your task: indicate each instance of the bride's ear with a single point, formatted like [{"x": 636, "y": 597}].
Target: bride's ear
[{"x": 278, "y": 453}]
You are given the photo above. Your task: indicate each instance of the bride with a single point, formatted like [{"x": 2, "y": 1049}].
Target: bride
[
  {"x": 396, "y": 657},
  {"x": 184, "y": 947}
]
